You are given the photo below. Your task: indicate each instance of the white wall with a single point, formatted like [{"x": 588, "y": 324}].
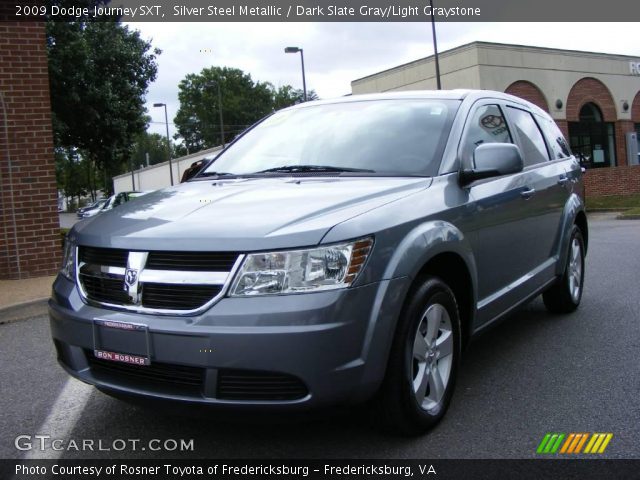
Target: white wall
[
  {"x": 157, "y": 176},
  {"x": 490, "y": 66}
]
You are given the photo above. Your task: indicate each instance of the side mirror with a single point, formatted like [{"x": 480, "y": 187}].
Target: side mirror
[{"x": 493, "y": 160}]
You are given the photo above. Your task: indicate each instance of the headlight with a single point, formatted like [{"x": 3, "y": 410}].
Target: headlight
[
  {"x": 69, "y": 260},
  {"x": 301, "y": 271}
]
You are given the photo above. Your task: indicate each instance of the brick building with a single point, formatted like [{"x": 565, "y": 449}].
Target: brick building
[
  {"x": 594, "y": 98},
  {"x": 29, "y": 225}
]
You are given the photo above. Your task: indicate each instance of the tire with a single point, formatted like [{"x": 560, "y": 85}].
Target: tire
[
  {"x": 420, "y": 376},
  {"x": 564, "y": 296}
]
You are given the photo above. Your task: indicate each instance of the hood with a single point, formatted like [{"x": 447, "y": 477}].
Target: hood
[{"x": 241, "y": 214}]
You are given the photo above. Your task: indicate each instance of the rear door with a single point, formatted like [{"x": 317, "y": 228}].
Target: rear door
[{"x": 547, "y": 195}]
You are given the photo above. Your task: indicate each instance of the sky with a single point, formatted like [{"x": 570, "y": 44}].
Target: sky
[{"x": 337, "y": 53}]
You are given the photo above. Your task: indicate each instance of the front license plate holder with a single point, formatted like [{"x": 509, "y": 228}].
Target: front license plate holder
[{"x": 122, "y": 342}]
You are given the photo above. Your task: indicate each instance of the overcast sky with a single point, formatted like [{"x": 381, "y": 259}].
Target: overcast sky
[{"x": 337, "y": 53}]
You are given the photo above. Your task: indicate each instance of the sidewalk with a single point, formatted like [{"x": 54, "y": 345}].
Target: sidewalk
[{"x": 21, "y": 299}]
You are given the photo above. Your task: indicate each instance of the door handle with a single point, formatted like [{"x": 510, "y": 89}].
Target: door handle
[
  {"x": 563, "y": 180},
  {"x": 526, "y": 194}
]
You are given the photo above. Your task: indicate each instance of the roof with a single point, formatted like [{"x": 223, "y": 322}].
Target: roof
[{"x": 512, "y": 46}]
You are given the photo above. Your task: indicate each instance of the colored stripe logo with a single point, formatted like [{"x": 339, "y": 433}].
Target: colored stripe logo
[{"x": 574, "y": 443}]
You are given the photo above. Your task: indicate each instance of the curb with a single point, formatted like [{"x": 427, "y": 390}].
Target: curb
[
  {"x": 628, "y": 217},
  {"x": 23, "y": 311},
  {"x": 605, "y": 210}
]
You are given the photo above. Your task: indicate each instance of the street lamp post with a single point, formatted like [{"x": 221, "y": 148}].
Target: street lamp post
[
  {"x": 304, "y": 81},
  {"x": 217, "y": 84},
  {"x": 435, "y": 45},
  {"x": 166, "y": 121}
]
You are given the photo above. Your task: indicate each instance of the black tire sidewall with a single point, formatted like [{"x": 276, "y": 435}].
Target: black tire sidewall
[
  {"x": 575, "y": 234},
  {"x": 431, "y": 291}
]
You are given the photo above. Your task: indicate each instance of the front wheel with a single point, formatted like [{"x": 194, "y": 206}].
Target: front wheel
[
  {"x": 423, "y": 361},
  {"x": 564, "y": 296}
]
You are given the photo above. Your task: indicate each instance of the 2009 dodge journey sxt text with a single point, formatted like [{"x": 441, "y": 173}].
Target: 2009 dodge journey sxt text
[{"x": 339, "y": 251}]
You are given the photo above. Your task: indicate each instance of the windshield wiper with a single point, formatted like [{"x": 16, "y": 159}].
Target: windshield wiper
[
  {"x": 312, "y": 168},
  {"x": 215, "y": 174}
]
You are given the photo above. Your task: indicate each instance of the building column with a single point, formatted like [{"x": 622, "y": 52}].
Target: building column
[
  {"x": 622, "y": 127},
  {"x": 29, "y": 226}
]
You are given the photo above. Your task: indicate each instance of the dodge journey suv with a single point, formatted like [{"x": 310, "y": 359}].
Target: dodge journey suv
[{"x": 337, "y": 252}]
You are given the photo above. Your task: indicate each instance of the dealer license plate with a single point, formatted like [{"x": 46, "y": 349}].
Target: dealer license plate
[
  {"x": 121, "y": 342},
  {"x": 121, "y": 357}
]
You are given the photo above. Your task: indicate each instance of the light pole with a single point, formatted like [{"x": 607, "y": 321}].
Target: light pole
[
  {"x": 435, "y": 45},
  {"x": 166, "y": 121},
  {"x": 217, "y": 84},
  {"x": 304, "y": 82}
]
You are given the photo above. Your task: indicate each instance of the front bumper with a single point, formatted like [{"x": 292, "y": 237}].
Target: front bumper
[{"x": 334, "y": 343}]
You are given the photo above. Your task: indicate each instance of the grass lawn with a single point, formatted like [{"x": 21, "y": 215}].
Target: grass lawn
[
  {"x": 614, "y": 202},
  {"x": 630, "y": 213}
]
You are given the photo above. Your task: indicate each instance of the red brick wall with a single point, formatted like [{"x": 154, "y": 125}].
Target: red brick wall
[
  {"x": 563, "y": 125},
  {"x": 29, "y": 228},
  {"x": 528, "y": 91},
  {"x": 612, "y": 181},
  {"x": 588, "y": 90},
  {"x": 635, "y": 108}
]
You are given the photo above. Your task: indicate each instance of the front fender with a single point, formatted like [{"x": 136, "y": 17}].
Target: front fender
[
  {"x": 425, "y": 242},
  {"x": 421, "y": 244}
]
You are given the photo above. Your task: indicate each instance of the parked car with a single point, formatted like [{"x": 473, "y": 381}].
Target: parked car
[
  {"x": 119, "y": 199},
  {"x": 338, "y": 252},
  {"x": 91, "y": 210}
]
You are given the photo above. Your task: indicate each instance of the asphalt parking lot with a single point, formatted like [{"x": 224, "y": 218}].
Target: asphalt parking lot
[{"x": 533, "y": 374}]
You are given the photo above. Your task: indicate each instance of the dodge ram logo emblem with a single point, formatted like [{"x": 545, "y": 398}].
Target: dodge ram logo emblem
[
  {"x": 132, "y": 274},
  {"x": 131, "y": 277}
]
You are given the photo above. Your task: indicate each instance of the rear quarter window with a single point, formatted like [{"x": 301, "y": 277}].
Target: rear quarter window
[{"x": 555, "y": 138}]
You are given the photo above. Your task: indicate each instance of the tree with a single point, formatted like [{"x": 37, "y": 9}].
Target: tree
[
  {"x": 99, "y": 73},
  {"x": 286, "y": 95},
  {"x": 243, "y": 103},
  {"x": 153, "y": 144}
]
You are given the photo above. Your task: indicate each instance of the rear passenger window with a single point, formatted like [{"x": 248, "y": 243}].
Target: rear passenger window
[
  {"x": 487, "y": 125},
  {"x": 534, "y": 149},
  {"x": 557, "y": 142}
]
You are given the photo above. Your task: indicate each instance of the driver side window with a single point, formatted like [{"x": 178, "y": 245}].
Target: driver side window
[{"x": 486, "y": 125}]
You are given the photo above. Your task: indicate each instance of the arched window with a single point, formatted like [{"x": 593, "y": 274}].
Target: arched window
[
  {"x": 592, "y": 139},
  {"x": 590, "y": 113}
]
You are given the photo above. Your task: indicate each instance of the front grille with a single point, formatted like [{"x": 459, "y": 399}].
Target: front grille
[
  {"x": 256, "y": 385},
  {"x": 192, "y": 261},
  {"x": 113, "y": 257},
  {"x": 175, "y": 281},
  {"x": 177, "y": 297},
  {"x": 104, "y": 289},
  {"x": 178, "y": 376}
]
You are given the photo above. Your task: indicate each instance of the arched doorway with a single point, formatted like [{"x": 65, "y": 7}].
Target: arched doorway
[{"x": 592, "y": 139}]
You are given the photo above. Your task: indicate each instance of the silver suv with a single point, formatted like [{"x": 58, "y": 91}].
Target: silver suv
[{"x": 338, "y": 252}]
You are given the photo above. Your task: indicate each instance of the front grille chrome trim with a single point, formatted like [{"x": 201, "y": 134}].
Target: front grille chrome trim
[
  {"x": 166, "y": 277},
  {"x": 179, "y": 277}
]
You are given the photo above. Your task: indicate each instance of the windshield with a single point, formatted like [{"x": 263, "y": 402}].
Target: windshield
[{"x": 390, "y": 137}]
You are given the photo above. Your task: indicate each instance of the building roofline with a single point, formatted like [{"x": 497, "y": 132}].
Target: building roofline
[{"x": 480, "y": 43}]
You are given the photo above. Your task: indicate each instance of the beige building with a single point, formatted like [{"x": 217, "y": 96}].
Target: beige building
[{"x": 594, "y": 97}]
